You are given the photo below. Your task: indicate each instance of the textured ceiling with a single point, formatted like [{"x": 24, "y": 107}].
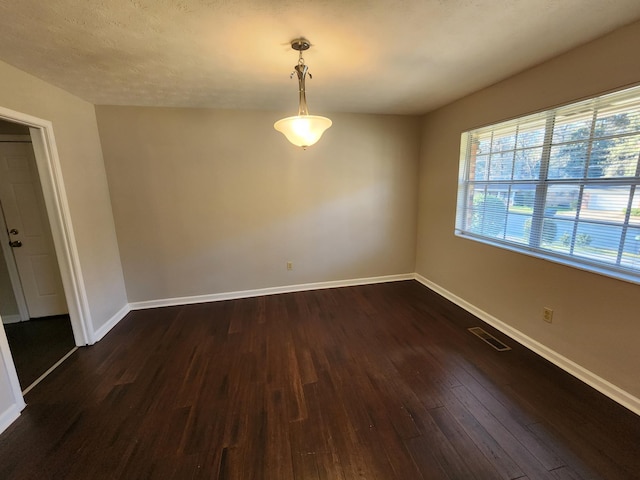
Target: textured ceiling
[{"x": 374, "y": 56}]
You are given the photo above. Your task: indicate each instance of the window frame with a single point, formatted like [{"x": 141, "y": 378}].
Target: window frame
[{"x": 533, "y": 245}]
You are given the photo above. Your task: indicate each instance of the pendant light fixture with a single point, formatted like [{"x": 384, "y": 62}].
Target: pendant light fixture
[{"x": 303, "y": 130}]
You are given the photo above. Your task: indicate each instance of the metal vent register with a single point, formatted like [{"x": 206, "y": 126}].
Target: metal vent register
[{"x": 488, "y": 338}]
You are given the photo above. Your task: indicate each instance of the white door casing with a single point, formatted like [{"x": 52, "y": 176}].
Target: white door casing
[
  {"x": 49, "y": 170},
  {"x": 26, "y": 220},
  {"x": 55, "y": 199}
]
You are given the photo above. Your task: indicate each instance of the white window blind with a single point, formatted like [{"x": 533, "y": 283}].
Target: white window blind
[{"x": 562, "y": 184}]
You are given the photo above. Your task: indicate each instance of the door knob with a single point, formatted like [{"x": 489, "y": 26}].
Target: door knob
[
  {"x": 15, "y": 244},
  {"x": 13, "y": 231}
]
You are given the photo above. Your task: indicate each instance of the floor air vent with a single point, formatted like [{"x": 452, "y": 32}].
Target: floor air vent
[{"x": 490, "y": 339}]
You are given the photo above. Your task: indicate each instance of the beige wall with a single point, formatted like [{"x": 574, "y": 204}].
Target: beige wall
[
  {"x": 76, "y": 134},
  {"x": 212, "y": 201},
  {"x": 596, "y": 321}
]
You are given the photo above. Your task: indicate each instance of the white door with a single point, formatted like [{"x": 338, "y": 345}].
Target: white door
[{"x": 29, "y": 232}]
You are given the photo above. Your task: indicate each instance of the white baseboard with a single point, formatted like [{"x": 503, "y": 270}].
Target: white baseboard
[
  {"x": 112, "y": 322},
  {"x": 216, "y": 297},
  {"x": 9, "y": 416},
  {"x": 603, "y": 386},
  {"x": 6, "y": 319}
]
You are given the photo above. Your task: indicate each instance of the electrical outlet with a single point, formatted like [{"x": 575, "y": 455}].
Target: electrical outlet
[
  {"x": 289, "y": 265},
  {"x": 547, "y": 315}
]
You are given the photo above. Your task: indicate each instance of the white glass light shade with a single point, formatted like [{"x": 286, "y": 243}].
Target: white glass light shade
[{"x": 303, "y": 130}]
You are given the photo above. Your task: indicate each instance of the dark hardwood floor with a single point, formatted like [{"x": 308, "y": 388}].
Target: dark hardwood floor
[
  {"x": 372, "y": 382},
  {"x": 38, "y": 344}
]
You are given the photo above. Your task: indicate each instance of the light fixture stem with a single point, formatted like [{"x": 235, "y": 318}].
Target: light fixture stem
[
  {"x": 302, "y": 130},
  {"x": 301, "y": 70}
]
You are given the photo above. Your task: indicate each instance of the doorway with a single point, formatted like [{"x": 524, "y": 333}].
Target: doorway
[
  {"x": 32, "y": 299},
  {"x": 59, "y": 220}
]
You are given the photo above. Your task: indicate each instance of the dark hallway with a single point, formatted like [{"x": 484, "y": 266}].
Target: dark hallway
[{"x": 36, "y": 345}]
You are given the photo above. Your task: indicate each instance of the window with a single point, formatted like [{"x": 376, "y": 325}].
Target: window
[{"x": 562, "y": 184}]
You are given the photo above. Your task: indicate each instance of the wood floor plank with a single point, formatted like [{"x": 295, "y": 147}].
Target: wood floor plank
[
  {"x": 516, "y": 426},
  {"x": 464, "y": 445},
  {"x": 483, "y": 439},
  {"x": 577, "y": 468},
  {"x": 438, "y": 445},
  {"x": 581, "y": 428},
  {"x": 399, "y": 403},
  {"x": 505, "y": 438},
  {"x": 372, "y": 382},
  {"x": 278, "y": 458}
]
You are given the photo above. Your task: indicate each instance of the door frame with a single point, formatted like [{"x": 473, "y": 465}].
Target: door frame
[{"x": 55, "y": 199}]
